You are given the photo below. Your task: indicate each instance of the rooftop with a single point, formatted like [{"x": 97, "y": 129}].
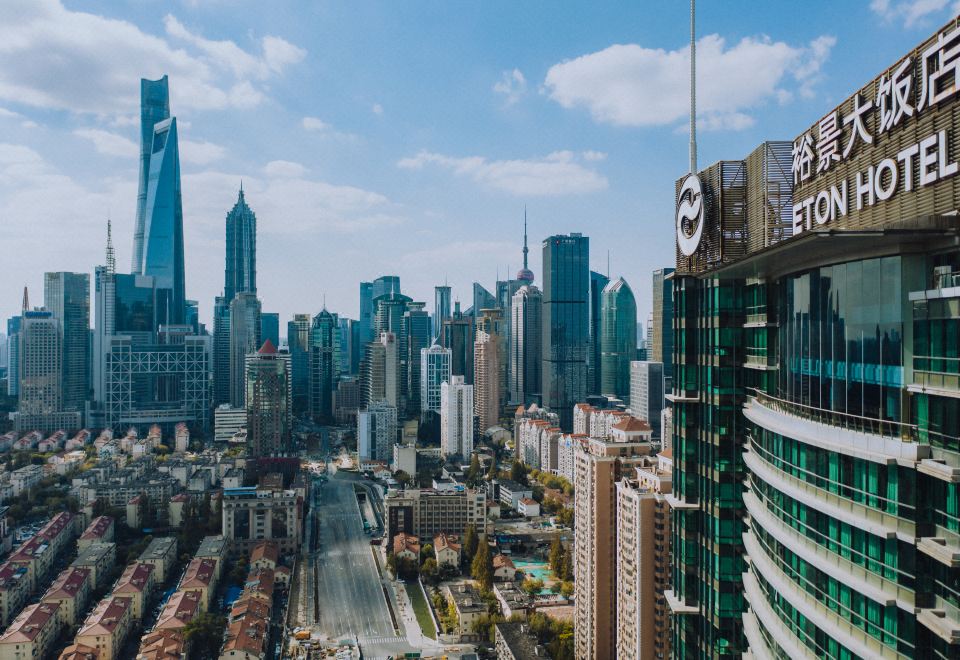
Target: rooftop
[
  {"x": 135, "y": 579},
  {"x": 248, "y": 634},
  {"x": 105, "y": 617},
  {"x": 199, "y": 573},
  {"x": 179, "y": 610},
  {"x": 97, "y": 529},
  {"x": 265, "y": 550},
  {"x": 521, "y": 642},
  {"x": 29, "y": 623},
  {"x": 68, "y": 584},
  {"x": 161, "y": 645}
]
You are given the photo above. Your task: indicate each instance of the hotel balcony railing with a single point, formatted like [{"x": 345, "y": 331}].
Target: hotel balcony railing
[
  {"x": 873, "y": 425},
  {"x": 941, "y": 373}
]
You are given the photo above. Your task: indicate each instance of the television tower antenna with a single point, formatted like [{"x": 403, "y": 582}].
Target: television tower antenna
[{"x": 693, "y": 87}]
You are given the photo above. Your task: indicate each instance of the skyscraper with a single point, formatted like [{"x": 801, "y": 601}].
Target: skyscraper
[
  {"x": 383, "y": 285},
  {"x": 268, "y": 402},
  {"x": 67, "y": 296},
  {"x": 441, "y": 308},
  {"x": 154, "y": 107},
  {"x": 221, "y": 350},
  {"x": 416, "y": 335},
  {"x": 13, "y": 356},
  {"x": 598, "y": 282},
  {"x": 158, "y": 235},
  {"x": 434, "y": 371},
  {"x": 240, "y": 273},
  {"x": 244, "y": 339},
  {"x": 366, "y": 315},
  {"x": 526, "y": 357},
  {"x": 487, "y": 380},
  {"x": 456, "y": 418},
  {"x": 566, "y": 323},
  {"x": 377, "y": 431},
  {"x": 324, "y": 364},
  {"x": 379, "y": 371},
  {"x": 482, "y": 299},
  {"x": 458, "y": 336},
  {"x": 618, "y": 338},
  {"x": 661, "y": 338},
  {"x": 646, "y": 394},
  {"x": 270, "y": 327},
  {"x": 298, "y": 342}
]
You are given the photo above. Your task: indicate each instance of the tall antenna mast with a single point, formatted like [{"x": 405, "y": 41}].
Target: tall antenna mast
[
  {"x": 111, "y": 256},
  {"x": 525, "y": 250},
  {"x": 693, "y": 87}
]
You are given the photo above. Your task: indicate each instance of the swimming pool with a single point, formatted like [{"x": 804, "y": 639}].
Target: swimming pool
[{"x": 535, "y": 569}]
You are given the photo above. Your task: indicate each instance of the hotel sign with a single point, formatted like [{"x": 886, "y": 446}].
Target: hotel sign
[{"x": 888, "y": 152}]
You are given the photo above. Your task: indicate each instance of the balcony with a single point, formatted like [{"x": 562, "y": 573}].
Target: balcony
[
  {"x": 760, "y": 358},
  {"x": 878, "y": 440},
  {"x": 677, "y": 606}
]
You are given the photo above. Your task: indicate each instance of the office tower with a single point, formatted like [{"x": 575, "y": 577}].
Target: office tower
[
  {"x": 647, "y": 395},
  {"x": 526, "y": 357},
  {"x": 391, "y": 368},
  {"x": 366, "y": 315},
  {"x": 486, "y": 355},
  {"x": 270, "y": 327},
  {"x": 377, "y": 431},
  {"x": 456, "y": 418},
  {"x": 324, "y": 365},
  {"x": 240, "y": 273},
  {"x": 154, "y": 108},
  {"x": 660, "y": 338},
  {"x": 298, "y": 343},
  {"x": 618, "y": 338},
  {"x": 347, "y": 329},
  {"x": 383, "y": 285},
  {"x": 3, "y": 350},
  {"x": 13, "y": 356},
  {"x": 482, "y": 299},
  {"x": 244, "y": 339},
  {"x": 158, "y": 235},
  {"x": 598, "y": 282},
  {"x": 644, "y": 560},
  {"x": 441, "y": 308},
  {"x": 67, "y": 297},
  {"x": 566, "y": 323},
  {"x": 434, "y": 371},
  {"x": 458, "y": 336},
  {"x": 221, "y": 350},
  {"x": 268, "y": 386},
  {"x": 417, "y": 337},
  {"x": 356, "y": 348},
  {"x": 41, "y": 370},
  {"x": 390, "y": 308},
  {"x": 379, "y": 371},
  {"x": 598, "y": 464}
]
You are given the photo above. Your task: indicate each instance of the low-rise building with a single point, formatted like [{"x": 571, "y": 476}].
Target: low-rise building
[
  {"x": 175, "y": 509},
  {"x": 265, "y": 554},
  {"x": 79, "y": 652},
  {"x": 246, "y": 639},
  {"x": 247, "y": 604},
  {"x": 503, "y": 568},
  {"x": 201, "y": 578},
  {"x": 70, "y": 592},
  {"x": 162, "y": 553},
  {"x": 107, "y": 627},
  {"x": 426, "y": 513},
  {"x": 213, "y": 548},
  {"x": 528, "y": 507},
  {"x": 405, "y": 458},
  {"x": 25, "y": 478},
  {"x": 99, "y": 558},
  {"x": 514, "y": 641},
  {"x": 100, "y": 530},
  {"x": 468, "y": 605},
  {"x": 447, "y": 550},
  {"x": 252, "y": 514},
  {"x": 179, "y": 610},
  {"x": 512, "y": 492},
  {"x": 137, "y": 583},
  {"x": 513, "y": 600},
  {"x": 162, "y": 645},
  {"x": 406, "y": 546},
  {"x": 14, "y": 590},
  {"x": 32, "y": 633}
]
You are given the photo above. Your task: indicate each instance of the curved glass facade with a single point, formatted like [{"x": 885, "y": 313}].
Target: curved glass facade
[{"x": 618, "y": 338}]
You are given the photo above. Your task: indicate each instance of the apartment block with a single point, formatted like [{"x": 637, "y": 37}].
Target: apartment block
[
  {"x": 100, "y": 559},
  {"x": 107, "y": 627},
  {"x": 251, "y": 515},
  {"x": 32, "y": 633},
  {"x": 137, "y": 583},
  {"x": 162, "y": 553},
  {"x": 71, "y": 593},
  {"x": 426, "y": 513}
]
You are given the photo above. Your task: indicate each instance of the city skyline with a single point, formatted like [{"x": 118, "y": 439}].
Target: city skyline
[{"x": 396, "y": 173}]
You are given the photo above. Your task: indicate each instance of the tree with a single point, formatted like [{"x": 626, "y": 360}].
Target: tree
[
  {"x": 238, "y": 573},
  {"x": 492, "y": 472},
  {"x": 470, "y": 543},
  {"x": 532, "y": 586},
  {"x": 402, "y": 478},
  {"x": 566, "y": 589},
  {"x": 518, "y": 472},
  {"x": 204, "y": 633},
  {"x": 473, "y": 473},
  {"x": 556, "y": 555},
  {"x": 392, "y": 564},
  {"x": 482, "y": 567},
  {"x": 426, "y": 552},
  {"x": 430, "y": 572},
  {"x": 566, "y": 568}
]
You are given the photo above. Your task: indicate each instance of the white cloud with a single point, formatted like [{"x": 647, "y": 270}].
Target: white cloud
[
  {"x": 512, "y": 85},
  {"x": 911, "y": 12},
  {"x": 629, "y": 85},
  {"x": 284, "y": 168},
  {"x": 200, "y": 153},
  {"x": 558, "y": 173},
  {"x": 317, "y": 125},
  {"x": 53, "y": 57},
  {"x": 109, "y": 143},
  {"x": 593, "y": 156},
  {"x": 377, "y": 109}
]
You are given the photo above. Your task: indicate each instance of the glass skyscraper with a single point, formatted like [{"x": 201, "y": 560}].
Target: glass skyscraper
[
  {"x": 154, "y": 108},
  {"x": 598, "y": 281},
  {"x": 240, "y": 273},
  {"x": 618, "y": 338},
  {"x": 67, "y": 297},
  {"x": 566, "y": 323},
  {"x": 441, "y": 308},
  {"x": 324, "y": 364},
  {"x": 661, "y": 339}
]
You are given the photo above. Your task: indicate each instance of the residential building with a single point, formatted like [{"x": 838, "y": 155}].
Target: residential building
[
  {"x": 407, "y": 546},
  {"x": 514, "y": 641},
  {"x": 251, "y": 515},
  {"x": 469, "y": 606},
  {"x": 264, "y": 555},
  {"x": 99, "y": 559},
  {"x": 425, "y": 513},
  {"x": 446, "y": 548},
  {"x": 162, "y": 645},
  {"x": 647, "y": 394},
  {"x": 434, "y": 371},
  {"x": 70, "y": 592},
  {"x": 100, "y": 530},
  {"x": 246, "y": 639},
  {"x": 215, "y": 548},
  {"x": 201, "y": 577},
  {"x": 137, "y": 583},
  {"x": 566, "y": 323},
  {"x": 618, "y": 338},
  {"x": 488, "y": 379},
  {"x": 511, "y": 492},
  {"x": 644, "y": 560},
  {"x": 15, "y": 588},
  {"x": 376, "y": 431},
  {"x": 180, "y": 609},
  {"x": 268, "y": 402},
  {"x": 504, "y": 568},
  {"x": 162, "y": 553},
  {"x": 106, "y": 627},
  {"x": 456, "y": 418},
  {"x": 24, "y": 478},
  {"x": 514, "y": 601},
  {"x": 599, "y": 464},
  {"x": 32, "y": 634}
]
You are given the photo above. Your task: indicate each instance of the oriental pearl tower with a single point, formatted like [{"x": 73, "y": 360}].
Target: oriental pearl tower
[{"x": 525, "y": 275}]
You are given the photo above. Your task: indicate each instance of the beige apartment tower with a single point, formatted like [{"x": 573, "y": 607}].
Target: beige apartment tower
[
  {"x": 598, "y": 465},
  {"x": 643, "y": 560}
]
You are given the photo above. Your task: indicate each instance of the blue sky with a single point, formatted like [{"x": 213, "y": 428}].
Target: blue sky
[{"x": 404, "y": 137}]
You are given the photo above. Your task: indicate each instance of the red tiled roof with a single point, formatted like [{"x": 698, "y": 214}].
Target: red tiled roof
[
  {"x": 97, "y": 529},
  {"x": 135, "y": 578},
  {"x": 161, "y": 645},
  {"x": 30, "y": 622},
  {"x": 106, "y": 616},
  {"x": 179, "y": 610},
  {"x": 631, "y": 423},
  {"x": 68, "y": 584},
  {"x": 265, "y": 550},
  {"x": 248, "y": 634},
  {"x": 199, "y": 573}
]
